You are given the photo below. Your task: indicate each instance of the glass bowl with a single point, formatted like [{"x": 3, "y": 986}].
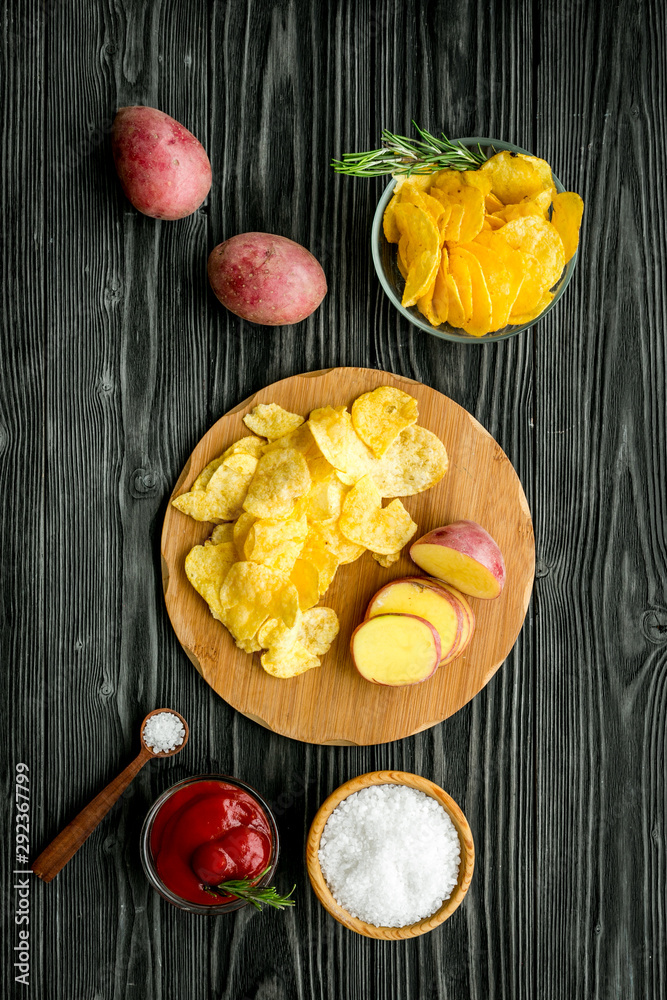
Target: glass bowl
[
  {"x": 148, "y": 860},
  {"x": 385, "y": 260}
]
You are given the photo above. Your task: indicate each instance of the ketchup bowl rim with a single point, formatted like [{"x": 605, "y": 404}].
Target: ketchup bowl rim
[{"x": 148, "y": 861}]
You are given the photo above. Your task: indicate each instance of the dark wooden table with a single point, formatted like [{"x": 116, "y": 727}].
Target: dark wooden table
[{"x": 116, "y": 358}]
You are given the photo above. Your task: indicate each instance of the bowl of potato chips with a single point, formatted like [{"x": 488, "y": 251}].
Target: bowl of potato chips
[{"x": 477, "y": 255}]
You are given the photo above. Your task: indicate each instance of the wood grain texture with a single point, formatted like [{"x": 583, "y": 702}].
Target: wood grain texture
[
  {"x": 333, "y": 704},
  {"x": 117, "y": 358}
]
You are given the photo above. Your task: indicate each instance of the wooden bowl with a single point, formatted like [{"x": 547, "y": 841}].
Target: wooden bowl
[{"x": 322, "y": 890}]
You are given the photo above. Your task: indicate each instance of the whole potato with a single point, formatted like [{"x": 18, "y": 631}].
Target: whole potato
[
  {"x": 163, "y": 169},
  {"x": 266, "y": 279}
]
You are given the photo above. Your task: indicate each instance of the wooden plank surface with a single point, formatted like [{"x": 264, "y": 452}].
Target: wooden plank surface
[{"x": 117, "y": 358}]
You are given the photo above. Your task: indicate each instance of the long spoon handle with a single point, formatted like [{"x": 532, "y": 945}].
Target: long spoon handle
[{"x": 67, "y": 843}]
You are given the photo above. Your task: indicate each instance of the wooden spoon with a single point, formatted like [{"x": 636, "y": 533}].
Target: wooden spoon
[{"x": 67, "y": 843}]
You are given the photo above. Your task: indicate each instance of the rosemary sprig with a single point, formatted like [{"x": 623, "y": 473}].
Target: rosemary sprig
[
  {"x": 401, "y": 155},
  {"x": 246, "y": 888}
]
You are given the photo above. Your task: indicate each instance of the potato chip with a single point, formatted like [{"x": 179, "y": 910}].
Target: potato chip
[
  {"x": 276, "y": 542},
  {"x": 274, "y": 632},
  {"x": 542, "y": 168},
  {"x": 324, "y": 499},
  {"x": 460, "y": 272},
  {"x": 339, "y": 443},
  {"x": 418, "y": 226},
  {"x": 480, "y": 321},
  {"x": 536, "y": 205},
  {"x": 416, "y": 461},
  {"x": 512, "y": 177},
  {"x": 471, "y": 200},
  {"x": 379, "y": 416},
  {"x": 453, "y": 228},
  {"x": 568, "y": 210},
  {"x": 388, "y": 560},
  {"x": 271, "y": 421},
  {"x": 250, "y": 594},
  {"x": 240, "y": 530},
  {"x": 539, "y": 238},
  {"x": 318, "y": 629},
  {"x": 366, "y": 522},
  {"x": 318, "y": 555},
  {"x": 414, "y": 196},
  {"x": 330, "y": 537},
  {"x": 455, "y": 312},
  {"x": 391, "y": 231},
  {"x": 514, "y": 260},
  {"x": 492, "y": 203},
  {"x": 306, "y": 578},
  {"x": 204, "y": 477},
  {"x": 286, "y": 663},
  {"x": 518, "y": 319},
  {"x": 497, "y": 282},
  {"x": 222, "y": 533},
  {"x": 215, "y": 505},
  {"x": 206, "y": 567},
  {"x": 420, "y": 275},
  {"x": 434, "y": 305},
  {"x": 249, "y": 445},
  {"x": 281, "y": 477}
]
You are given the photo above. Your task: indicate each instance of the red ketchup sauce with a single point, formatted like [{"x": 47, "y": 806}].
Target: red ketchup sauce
[{"x": 207, "y": 833}]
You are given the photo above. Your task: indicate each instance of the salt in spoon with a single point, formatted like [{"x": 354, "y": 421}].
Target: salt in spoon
[{"x": 67, "y": 843}]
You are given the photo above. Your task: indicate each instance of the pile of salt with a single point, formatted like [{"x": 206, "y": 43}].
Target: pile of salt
[
  {"x": 390, "y": 855},
  {"x": 163, "y": 731}
]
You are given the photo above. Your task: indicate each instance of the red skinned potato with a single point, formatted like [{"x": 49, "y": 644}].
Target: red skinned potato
[
  {"x": 464, "y": 555},
  {"x": 266, "y": 279},
  {"x": 163, "y": 169}
]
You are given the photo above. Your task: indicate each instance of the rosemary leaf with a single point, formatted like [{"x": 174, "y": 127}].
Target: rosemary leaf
[{"x": 400, "y": 155}]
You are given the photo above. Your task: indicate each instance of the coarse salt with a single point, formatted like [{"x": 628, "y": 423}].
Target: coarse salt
[
  {"x": 163, "y": 731},
  {"x": 390, "y": 855}
]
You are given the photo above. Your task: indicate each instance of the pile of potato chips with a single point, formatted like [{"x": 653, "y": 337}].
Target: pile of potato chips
[
  {"x": 294, "y": 501},
  {"x": 483, "y": 249}
]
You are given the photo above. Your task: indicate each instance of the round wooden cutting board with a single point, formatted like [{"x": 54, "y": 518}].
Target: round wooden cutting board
[{"x": 333, "y": 704}]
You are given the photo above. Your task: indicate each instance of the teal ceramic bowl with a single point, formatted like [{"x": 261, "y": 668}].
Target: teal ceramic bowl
[{"x": 385, "y": 260}]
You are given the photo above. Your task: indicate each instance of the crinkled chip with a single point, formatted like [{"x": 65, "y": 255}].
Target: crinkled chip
[
  {"x": 324, "y": 499},
  {"x": 225, "y": 486},
  {"x": 416, "y": 461},
  {"x": 512, "y": 177},
  {"x": 206, "y": 567},
  {"x": 366, "y": 522},
  {"x": 339, "y": 443},
  {"x": 281, "y": 477},
  {"x": 329, "y": 535},
  {"x": 250, "y": 594},
  {"x": 539, "y": 238},
  {"x": 318, "y": 629},
  {"x": 276, "y": 542},
  {"x": 249, "y": 445},
  {"x": 293, "y": 651},
  {"x": 379, "y": 416},
  {"x": 301, "y": 440},
  {"x": 286, "y": 663},
  {"x": 271, "y": 421}
]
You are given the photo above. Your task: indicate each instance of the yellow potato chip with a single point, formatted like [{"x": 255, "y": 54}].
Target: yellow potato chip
[
  {"x": 301, "y": 440},
  {"x": 324, "y": 499},
  {"x": 318, "y": 629},
  {"x": 512, "y": 177},
  {"x": 420, "y": 275},
  {"x": 274, "y": 632},
  {"x": 419, "y": 227},
  {"x": 250, "y": 594},
  {"x": 281, "y": 477},
  {"x": 222, "y": 533},
  {"x": 542, "y": 168},
  {"x": 453, "y": 228},
  {"x": 568, "y": 210},
  {"x": 389, "y": 226},
  {"x": 249, "y": 445},
  {"x": 455, "y": 312},
  {"x": 492, "y": 203},
  {"x": 519, "y": 319},
  {"x": 276, "y": 542},
  {"x": 388, "y": 560},
  {"x": 306, "y": 578},
  {"x": 339, "y": 443},
  {"x": 460, "y": 272},
  {"x": 539, "y": 238},
  {"x": 379, "y": 416},
  {"x": 471, "y": 200},
  {"x": 411, "y": 194},
  {"x": 435, "y": 304},
  {"x": 480, "y": 321},
  {"x": 206, "y": 567},
  {"x": 514, "y": 260},
  {"x": 223, "y": 503},
  {"x": 366, "y": 522},
  {"x": 497, "y": 281},
  {"x": 204, "y": 477},
  {"x": 286, "y": 663},
  {"x": 271, "y": 421},
  {"x": 416, "y": 461},
  {"x": 240, "y": 530},
  {"x": 318, "y": 555},
  {"x": 537, "y": 205},
  {"x": 330, "y": 537}
]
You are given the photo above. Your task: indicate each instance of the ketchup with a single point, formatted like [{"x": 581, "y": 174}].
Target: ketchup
[{"x": 206, "y": 833}]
